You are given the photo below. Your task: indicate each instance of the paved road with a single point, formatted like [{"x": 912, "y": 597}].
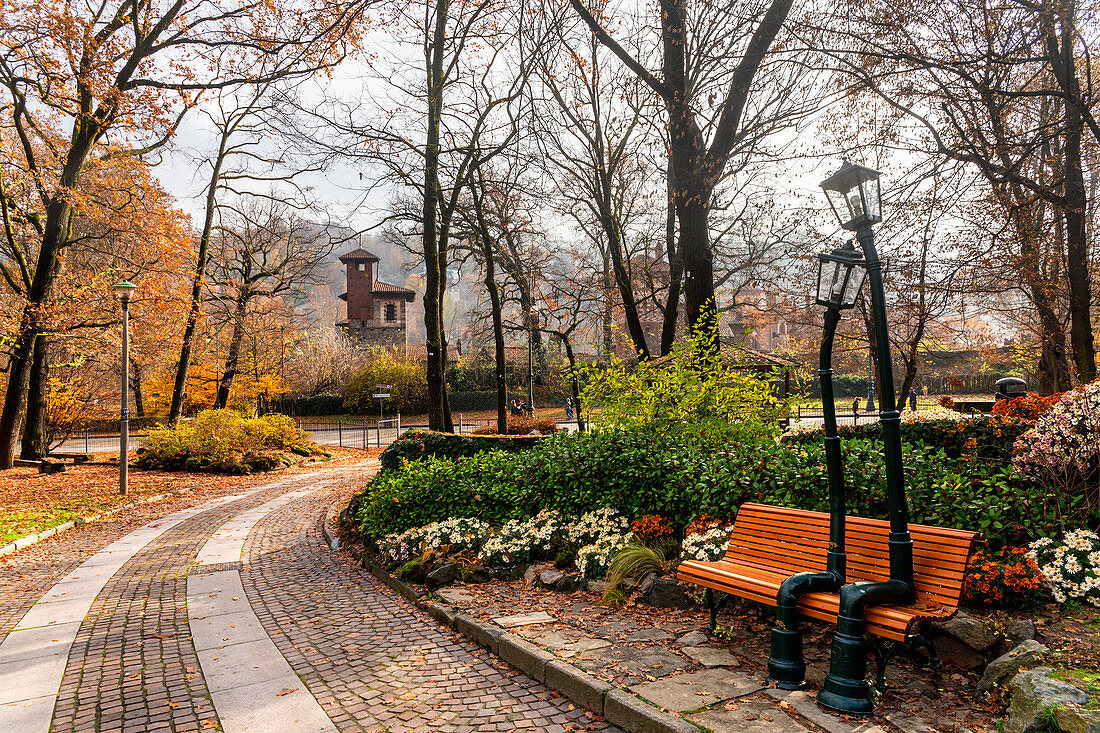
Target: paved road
[{"x": 230, "y": 613}]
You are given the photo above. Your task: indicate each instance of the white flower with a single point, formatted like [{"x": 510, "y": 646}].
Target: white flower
[
  {"x": 593, "y": 525},
  {"x": 519, "y": 539},
  {"x": 709, "y": 546},
  {"x": 593, "y": 560}
]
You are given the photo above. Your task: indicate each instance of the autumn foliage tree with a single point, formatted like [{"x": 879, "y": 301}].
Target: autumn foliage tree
[{"x": 121, "y": 72}]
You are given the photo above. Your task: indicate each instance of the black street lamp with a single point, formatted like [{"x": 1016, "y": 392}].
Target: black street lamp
[
  {"x": 840, "y": 275},
  {"x": 855, "y": 198},
  {"x": 124, "y": 291}
]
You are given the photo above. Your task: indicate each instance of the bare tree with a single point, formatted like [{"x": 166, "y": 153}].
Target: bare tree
[
  {"x": 711, "y": 59},
  {"x": 263, "y": 256}
]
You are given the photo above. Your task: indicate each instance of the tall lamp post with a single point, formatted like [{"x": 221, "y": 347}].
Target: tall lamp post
[
  {"x": 531, "y": 360},
  {"x": 124, "y": 291},
  {"x": 840, "y": 275},
  {"x": 855, "y": 197}
]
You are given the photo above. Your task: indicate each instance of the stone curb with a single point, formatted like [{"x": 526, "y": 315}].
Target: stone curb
[
  {"x": 618, "y": 707},
  {"x": 31, "y": 539}
]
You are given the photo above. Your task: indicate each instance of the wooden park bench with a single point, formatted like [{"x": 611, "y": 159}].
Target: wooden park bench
[{"x": 769, "y": 543}]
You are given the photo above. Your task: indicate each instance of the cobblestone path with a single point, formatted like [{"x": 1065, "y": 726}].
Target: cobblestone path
[{"x": 362, "y": 655}]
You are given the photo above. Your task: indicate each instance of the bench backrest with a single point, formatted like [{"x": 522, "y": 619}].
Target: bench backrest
[{"x": 794, "y": 540}]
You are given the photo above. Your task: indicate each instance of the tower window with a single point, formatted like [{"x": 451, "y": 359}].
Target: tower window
[
  {"x": 391, "y": 312},
  {"x": 362, "y": 266}
]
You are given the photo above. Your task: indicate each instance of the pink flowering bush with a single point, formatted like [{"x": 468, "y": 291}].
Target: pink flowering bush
[{"x": 1062, "y": 450}]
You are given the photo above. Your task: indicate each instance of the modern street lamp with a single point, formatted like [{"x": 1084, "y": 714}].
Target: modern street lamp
[
  {"x": 531, "y": 360},
  {"x": 124, "y": 291},
  {"x": 855, "y": 197},
  {"x": 840, "y": 275}
]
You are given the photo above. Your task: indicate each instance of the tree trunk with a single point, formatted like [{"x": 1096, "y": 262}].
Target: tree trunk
[
  {"x": 675, "y": 276},
  {"x": 697, "y": 257},
  {"x": 433, "y": 277},
  {"x": 609, "y": 308},
  {"x": 35, "y": 447},
  {"x": 233, "y": 357},
  {"x": 618, "y": 267},
  {"x": 135, "y": 387},
  {"x": 179, "y": 388},
  {"x": 1077, "y": 246},
  {"x": 500, "y": 360}
]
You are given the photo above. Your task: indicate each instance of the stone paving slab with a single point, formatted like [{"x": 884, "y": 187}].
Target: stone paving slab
[
  {"x": 696, "y": 690},
  {"x": 527, "y": 619},
  {"x": 756, "y": 716},
  {"x": 257, "y": 708}
]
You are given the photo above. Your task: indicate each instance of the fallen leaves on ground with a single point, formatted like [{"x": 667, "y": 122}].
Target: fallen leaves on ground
[{"x": 31, "y": 502}]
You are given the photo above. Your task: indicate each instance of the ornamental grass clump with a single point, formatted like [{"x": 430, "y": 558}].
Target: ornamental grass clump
[
  {"x": 521, "y": 541},
  {"x": 1071, "y": 569}
]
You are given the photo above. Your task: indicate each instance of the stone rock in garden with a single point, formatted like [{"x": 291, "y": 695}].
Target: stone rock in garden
[
  {"x": 530, "y": 574},
  {"x": 413, "y": 571},
  {"x": 1020, "y": 630},
  {"x": 1026, "y": 654},
  {"x": 693, "y": 638},
  {"x": 568, "y": 583},
  {"x": 599, "y": 587},
  {"x": 1076, "y": 720},
  {"x": 667, "y": 593},
  {"x": 1034, "y": 693},
  {"x": 956, "y": 654},
  {"x": 477, "y": 574},
  {"x": 969, "y": 631},
  {"x": 645, "y": 585},
  {"x": 443, "y": 574},
  {"x": 550, "y": 578},
  {"x": 628, "y": 585}
]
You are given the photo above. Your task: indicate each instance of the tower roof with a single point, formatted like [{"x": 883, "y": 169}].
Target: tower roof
[{"x": 358, "y": 255}]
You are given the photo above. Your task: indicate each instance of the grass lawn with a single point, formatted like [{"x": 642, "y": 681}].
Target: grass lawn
[{"x": 31, "y": 502}]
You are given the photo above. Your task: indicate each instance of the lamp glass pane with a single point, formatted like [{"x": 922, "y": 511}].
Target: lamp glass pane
[
  {"x": 828, "y": 272},
  {"x": 872, "y": 198},
  {"x": 838, "y": 204},
  {"x": 855, "y": 282}
]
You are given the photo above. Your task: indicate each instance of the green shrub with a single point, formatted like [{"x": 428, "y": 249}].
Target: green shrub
[
  {"x": 407, "y": 377},
  {"x": 417, "y": 445},
  {"x": 689, "y": 392},
  {"x": 481, "y": 486},
  {"x": 221, "y": 441}
]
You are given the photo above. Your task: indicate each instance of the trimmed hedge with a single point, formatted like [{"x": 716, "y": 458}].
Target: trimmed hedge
[
  {"x": 641, "y": 474},
  {"x": 977, "y": 437},
  {"x": 418, "y": 445}
]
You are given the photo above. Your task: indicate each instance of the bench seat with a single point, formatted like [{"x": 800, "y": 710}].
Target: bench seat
[{"x": 770, "y": 543}]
